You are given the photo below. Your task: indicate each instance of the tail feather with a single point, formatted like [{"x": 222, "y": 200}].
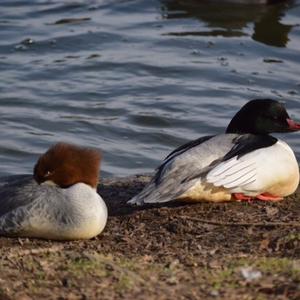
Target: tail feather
[
  {"x": 158, "y": 193},
  {"x": 148, "y": 195}
]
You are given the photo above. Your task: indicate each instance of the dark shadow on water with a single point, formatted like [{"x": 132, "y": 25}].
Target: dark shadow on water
[{"x": 231, "y": 19}]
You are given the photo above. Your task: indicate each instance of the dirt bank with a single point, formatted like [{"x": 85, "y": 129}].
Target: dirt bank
[{"x": 233, "y": 250}]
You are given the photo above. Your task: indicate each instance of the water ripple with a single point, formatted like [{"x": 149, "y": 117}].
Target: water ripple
[{"x": 137, "y": 78}]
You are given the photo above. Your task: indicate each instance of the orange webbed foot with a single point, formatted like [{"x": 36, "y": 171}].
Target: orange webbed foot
[
  {"x": 268, "y": 197},
  {"x": 241, "y": 197},
  {"x": 262, "y": 197}
]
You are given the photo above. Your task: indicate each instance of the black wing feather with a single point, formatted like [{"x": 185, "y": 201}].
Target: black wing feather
[
  {"x": 247, "y": 143},
  {"x": 189, "y": 145},
  {"x": 185, "y": 147}
]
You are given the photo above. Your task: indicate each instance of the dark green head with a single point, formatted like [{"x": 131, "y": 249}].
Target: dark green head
[{"x": 262, "y": 116}]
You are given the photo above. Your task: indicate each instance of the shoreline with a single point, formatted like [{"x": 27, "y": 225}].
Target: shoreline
[{"x": 164, "y": 252}]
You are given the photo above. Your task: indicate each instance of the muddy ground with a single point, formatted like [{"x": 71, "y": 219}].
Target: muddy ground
[{"x": 235, "y": 250}]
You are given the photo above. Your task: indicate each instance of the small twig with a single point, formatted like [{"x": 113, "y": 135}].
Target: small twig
[{"x": 247, "y": 224}]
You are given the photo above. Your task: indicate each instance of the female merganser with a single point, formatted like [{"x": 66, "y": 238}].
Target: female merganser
[
  {"x": 61, "y": 203},
  {"x": 242, "y": 164}
]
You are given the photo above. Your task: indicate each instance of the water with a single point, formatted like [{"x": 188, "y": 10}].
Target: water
[{"x": 137, "y": 78}]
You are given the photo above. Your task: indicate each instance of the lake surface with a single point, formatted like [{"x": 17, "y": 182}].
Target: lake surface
[{"x": 137, "y": 78}]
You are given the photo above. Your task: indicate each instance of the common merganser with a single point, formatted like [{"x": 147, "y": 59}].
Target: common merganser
[
  {"x": 61, "y": 203},
  {"x": 242, "y": 164}
]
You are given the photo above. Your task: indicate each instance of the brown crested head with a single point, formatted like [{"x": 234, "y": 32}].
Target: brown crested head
[{"x": 67, "y": 164}]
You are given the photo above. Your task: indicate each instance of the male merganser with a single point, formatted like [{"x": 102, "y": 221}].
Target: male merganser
[
  {"x": 242, "y": 164},
  {"x": 61, "y": 203}
]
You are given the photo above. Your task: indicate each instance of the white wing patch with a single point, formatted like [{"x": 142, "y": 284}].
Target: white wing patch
[{"x": 233, "y": 173}]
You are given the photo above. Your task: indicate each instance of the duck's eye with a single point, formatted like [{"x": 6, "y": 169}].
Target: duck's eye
[
  {"x": 48, "y": 173},
  {"x": 275, "y": 118}
]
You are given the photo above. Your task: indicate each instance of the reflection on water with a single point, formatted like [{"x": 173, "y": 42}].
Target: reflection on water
[
  {"x": 270, "y": 30},
  {"x": 232, "y": 18}
]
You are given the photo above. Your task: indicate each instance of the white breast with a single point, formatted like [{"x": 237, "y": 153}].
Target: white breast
[{"x": 90, "y": 211}]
